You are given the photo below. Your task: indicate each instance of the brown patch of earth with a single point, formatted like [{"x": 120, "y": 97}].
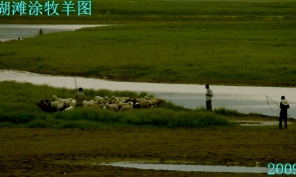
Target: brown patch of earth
[{"x": 50, "y": 152}]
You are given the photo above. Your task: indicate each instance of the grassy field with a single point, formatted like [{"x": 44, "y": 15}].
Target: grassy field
[
  {"x": 231, "y": 53},
  {"x": 52, "y": 152},
  {"x": 216, "y": 42},
  {"x": 36, "y": 143},
  {"x": 231, "y": 42}
]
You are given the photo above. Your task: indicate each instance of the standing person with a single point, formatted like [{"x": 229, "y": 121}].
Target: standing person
[
  {"x": 40, "y": 32},
  {"x": 284, "y": 112},
  {"x": 79, "y": 97},
  {"x": 209, "y": 95}
]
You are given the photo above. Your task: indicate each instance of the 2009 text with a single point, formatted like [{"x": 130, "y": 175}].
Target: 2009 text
[{"x": 279, "y": 169}]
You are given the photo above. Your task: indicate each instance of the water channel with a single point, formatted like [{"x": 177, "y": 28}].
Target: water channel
[
  {"x": 242, "y": 98},
  {"x": 188, "y": 167}
]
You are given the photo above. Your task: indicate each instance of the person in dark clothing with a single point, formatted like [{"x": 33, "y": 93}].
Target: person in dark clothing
[
  {"x": 284, "y": 112},
  {"x": 209, "y": 96},
  {"x": 40, "y": 32}
]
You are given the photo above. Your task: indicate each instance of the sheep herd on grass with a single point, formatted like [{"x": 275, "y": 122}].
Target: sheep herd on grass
[{"x": 114, "y": 103}]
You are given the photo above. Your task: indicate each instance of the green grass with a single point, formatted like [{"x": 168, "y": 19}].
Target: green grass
[
  {"x": 225, "y": 112},
  {"x": 230, "y": 42},
  {"x": 18, "y": 108},
  {"x": 232, "y": 53}
]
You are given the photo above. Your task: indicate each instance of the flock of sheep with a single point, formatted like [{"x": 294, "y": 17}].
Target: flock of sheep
[{"x": 113, "y": 103}]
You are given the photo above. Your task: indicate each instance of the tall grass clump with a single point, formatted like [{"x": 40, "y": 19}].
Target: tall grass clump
[
  {"x": 95, "y": 115},
  {"x": 170, "y": 105},
  {"x": 228, "y": 112},
  {"x": 174, "y": 119},
  {"x": 222, "y": 111}
]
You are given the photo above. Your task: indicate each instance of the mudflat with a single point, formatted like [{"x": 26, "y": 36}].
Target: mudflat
[{"x": 55, "y": 152}]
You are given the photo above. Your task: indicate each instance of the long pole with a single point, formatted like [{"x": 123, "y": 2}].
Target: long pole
[
  {"x": 75, "y": 82},
  {"x": 272, "y": 100},
  {"x": 276, "y": 103}
]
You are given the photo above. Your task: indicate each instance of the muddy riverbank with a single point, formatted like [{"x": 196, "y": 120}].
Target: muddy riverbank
[{"x": 41, "y": 152}]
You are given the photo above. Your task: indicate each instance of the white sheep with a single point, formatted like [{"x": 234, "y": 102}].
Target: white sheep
[
  {"x": 72, "y": 103},
  {"x": 105, "y": 101},
  {"x": 114, "y": 100},
  {"x": 123, "y": 99},
  {"x": 55, "y": 98},
  {"x": 54, "y": 104},
  {"x": 126, "y": 108},
  {"x": 112, "y": 107},
  {"x": 90, "y": 103},
  {"x": 123, "y": 104},
  {"x": 140, "y": 99},
  {"x": 145, "y": 104},
  {"x": 61, "y": 105},
  {"x": 99, "y": 99},
  {"x": 154, "y": 101},
  {"x": 57, "y": 105},
  {"x": 101, "y": 106},
  {"x": 69, "y": 108}
]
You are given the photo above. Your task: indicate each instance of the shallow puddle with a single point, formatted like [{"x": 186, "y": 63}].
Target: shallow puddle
[{"x": 184, "y": 167}]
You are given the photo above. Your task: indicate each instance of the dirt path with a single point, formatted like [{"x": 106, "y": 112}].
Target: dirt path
[{"x": 48, "y": 152}]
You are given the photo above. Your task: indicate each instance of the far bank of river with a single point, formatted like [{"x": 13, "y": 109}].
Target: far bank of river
[
  {"x": 16, "y": 31},
  {"x": 242, "y": 98}
]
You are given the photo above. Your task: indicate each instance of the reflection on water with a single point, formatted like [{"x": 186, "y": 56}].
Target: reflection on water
[
  {"x": 8, "y": 31},
  {"x": 178, "y": 167},
  {"x": 243, "y": 99}
]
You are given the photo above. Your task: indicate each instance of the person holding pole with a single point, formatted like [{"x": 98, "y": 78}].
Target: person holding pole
[
  {"x": 79, "y": 97},
  {"x": 284, "y": 112}
]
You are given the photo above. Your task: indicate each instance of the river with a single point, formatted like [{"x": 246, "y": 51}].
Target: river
[{"x": 242, "y": 98}]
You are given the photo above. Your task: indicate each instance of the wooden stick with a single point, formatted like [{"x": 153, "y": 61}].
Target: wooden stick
[{"x": 75, "y": 82}]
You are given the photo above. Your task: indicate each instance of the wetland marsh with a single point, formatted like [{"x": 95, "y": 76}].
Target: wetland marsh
[
  {"x": 39, "y": 152},
  {"x": 244, "y": 99},
  {"x": 219, "y": 42},
  {"x": 220, "y": 53}
]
